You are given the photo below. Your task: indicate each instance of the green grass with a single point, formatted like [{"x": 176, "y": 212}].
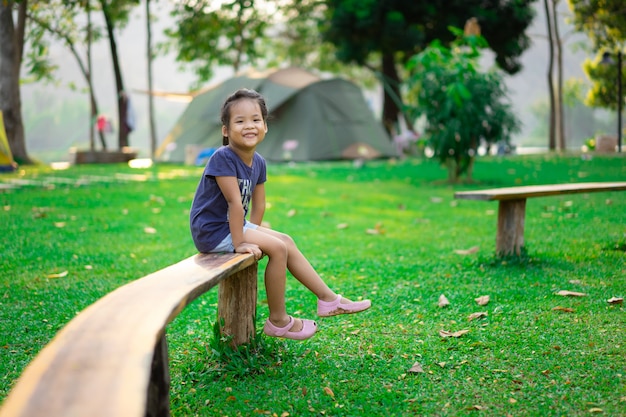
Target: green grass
[{"x": 523, "y": 359}]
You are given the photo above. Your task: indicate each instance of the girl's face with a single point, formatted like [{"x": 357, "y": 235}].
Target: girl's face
[{"x": 246, "y": 128}]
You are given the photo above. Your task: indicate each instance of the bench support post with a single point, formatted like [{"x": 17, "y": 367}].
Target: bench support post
[
  {"x": 159, "y": 388},
  {"x": 510, "y": 238},
  {"x": 237, "y": 305}
]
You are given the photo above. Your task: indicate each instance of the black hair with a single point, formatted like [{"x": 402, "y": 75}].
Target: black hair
[{"x": 242, "y": 93}]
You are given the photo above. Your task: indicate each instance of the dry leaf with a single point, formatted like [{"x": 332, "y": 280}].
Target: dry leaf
[
  {"x": 59, "y": 224},
  {"x": 291, "y": 213},
  {"x": 342, "y": 226},
  {"x": 596, "y": 410},
  {"x": 566, "y": 293},
  {"x": 483, "y": 300},
  {"x": 149, "y": 230},
  {"x": 563, "y": 309},
  {"x": 445, "y": 333},
  {"x": 443, "y": 301},
  {"x": 329, "y": 391},
  {"x": 615, "y": 300},
  {"x": 372, "y": 231},
  {"x": 469, "y": 251},
  {"x": 416, "y": 368},
  {"x": 59, "y": 275},
  {"x": 478, "y": 315}
]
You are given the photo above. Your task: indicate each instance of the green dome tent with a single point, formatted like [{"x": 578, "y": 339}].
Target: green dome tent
[{"x": 311, "y": 119}]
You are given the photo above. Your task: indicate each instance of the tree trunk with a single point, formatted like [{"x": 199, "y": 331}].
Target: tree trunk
[
  {"x": 552, "y": 126},
  {"x": 559, "y": 114},
  {"x": 122, "y": 103},
  {"x": 11, "y": 45},
  {"x": 150, "y": 96},
  {"x": 392, "y": 100}
]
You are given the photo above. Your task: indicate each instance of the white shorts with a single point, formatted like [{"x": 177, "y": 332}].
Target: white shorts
[{"x": 226, "y": 245}]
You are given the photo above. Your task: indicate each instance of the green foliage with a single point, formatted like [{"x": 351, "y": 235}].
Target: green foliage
[
  {"x": 207, "y": 36},
  {"x": 604, "y": 22},
  {"x": 464, "y": 107},
  {"x": 522, "y": 359},
  {"x": 359, "y": 28}
]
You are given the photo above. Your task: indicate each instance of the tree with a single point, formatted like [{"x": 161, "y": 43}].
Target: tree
[
  {"x": 393, "y": 31},
  {"x": 229, "y": 35},
  {"x": 116, "y": 14},
  {"x": 604, "y": 22},
  {"x": 463, "y": 106},
  {"x": 150, "y": 97},
  {"x": 59, "y": 20},
  {"x": 11, "y": 49}
]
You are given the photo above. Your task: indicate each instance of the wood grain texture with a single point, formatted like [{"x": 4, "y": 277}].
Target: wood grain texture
[
  {"x": 99, "y": 364},
  {"x": 515, "y": 193}
]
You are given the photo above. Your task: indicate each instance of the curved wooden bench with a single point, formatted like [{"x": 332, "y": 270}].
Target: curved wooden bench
[
  {"x": 512, "y": 207},
  {"x": 111, "y": 359}
]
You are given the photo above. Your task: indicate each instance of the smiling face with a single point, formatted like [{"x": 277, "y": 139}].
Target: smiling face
[{"x": 246, "y": 127}]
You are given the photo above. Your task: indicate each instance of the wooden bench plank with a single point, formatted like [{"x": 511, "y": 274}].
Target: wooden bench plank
[
  {"x": 512, "y": 207},
  {"x": 516, "y": 193},
  {"x": 100, "y": 363}
]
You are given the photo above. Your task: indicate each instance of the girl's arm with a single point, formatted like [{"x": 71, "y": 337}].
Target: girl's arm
[
  {"x": 232, "y": 194},
  {"x": 258, "y": 204}
]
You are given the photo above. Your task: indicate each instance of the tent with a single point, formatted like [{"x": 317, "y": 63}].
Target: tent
[
  {"x": 6, "y": 158},
  {"x": 310, "y": 119}
]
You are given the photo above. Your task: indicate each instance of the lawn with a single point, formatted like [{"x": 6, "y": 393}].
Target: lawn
[{"x": 388, "y": 231}]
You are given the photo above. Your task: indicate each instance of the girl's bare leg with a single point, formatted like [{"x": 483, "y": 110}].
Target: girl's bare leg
[
  {"x": 275, "y": 276},
  {"x": 302, "y": 270}
]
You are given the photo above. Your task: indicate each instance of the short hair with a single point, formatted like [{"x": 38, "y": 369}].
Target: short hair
[{"x": 241, "y": 94}]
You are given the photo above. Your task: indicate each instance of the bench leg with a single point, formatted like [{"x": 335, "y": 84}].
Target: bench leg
[
  {"x": 510, "y": 238},
  {"x": 237, "y": 305},
  {"x": 159, "y": 388}
]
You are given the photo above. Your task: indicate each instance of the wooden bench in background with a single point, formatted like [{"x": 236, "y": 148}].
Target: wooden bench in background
[
  {"x": 512, "y": 207},
  {"x": 112, "y": 359}
]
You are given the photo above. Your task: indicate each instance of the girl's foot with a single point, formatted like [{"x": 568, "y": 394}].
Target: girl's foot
[
  {"x": 306, "y": 329},
  {"x": 341, "y": 306}
]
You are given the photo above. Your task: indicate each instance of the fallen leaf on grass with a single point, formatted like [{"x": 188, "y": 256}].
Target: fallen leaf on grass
[
  {"x": 59, "y": 275},
  {"x": 563, "y": 309},
  {"x": 596, "y": 410},
  {"x": 469, "y": 251},
  {"x": 377, "y": 230},
  {"x": 416, "y": 368},
  {"x": 615, "y": 300},
  {"x": 291, "y": 213},
  {"x": 149, "y": 230},
  {"x": 342, "y": 226},
  {"x": 59, "y": 224},
  {"x": 443, "y": 301},
  {"x": 478, "y": 315},
  {"x": 566, "y": 293},
  {"x": 483, "y": 300},
  {"x": 329, "y": 391},
  {"x": 459, "y": 333}
]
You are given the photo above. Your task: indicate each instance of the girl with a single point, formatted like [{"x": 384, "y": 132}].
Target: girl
[{"x": 233, "y": 185}]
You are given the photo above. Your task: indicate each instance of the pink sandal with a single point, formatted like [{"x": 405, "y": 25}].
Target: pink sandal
[
  {"x": 309, "y": 327},
  {"x": 334, "y": 308}
]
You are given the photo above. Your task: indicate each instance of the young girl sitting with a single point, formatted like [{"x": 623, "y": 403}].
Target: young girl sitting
[{"x": 233, "y": 185}]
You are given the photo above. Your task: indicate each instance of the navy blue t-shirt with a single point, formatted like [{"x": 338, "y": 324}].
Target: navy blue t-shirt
[{"x": 209, "y": 210}]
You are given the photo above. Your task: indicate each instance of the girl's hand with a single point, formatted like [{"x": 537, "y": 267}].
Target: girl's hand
[{"x": 250, "y": 248}]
